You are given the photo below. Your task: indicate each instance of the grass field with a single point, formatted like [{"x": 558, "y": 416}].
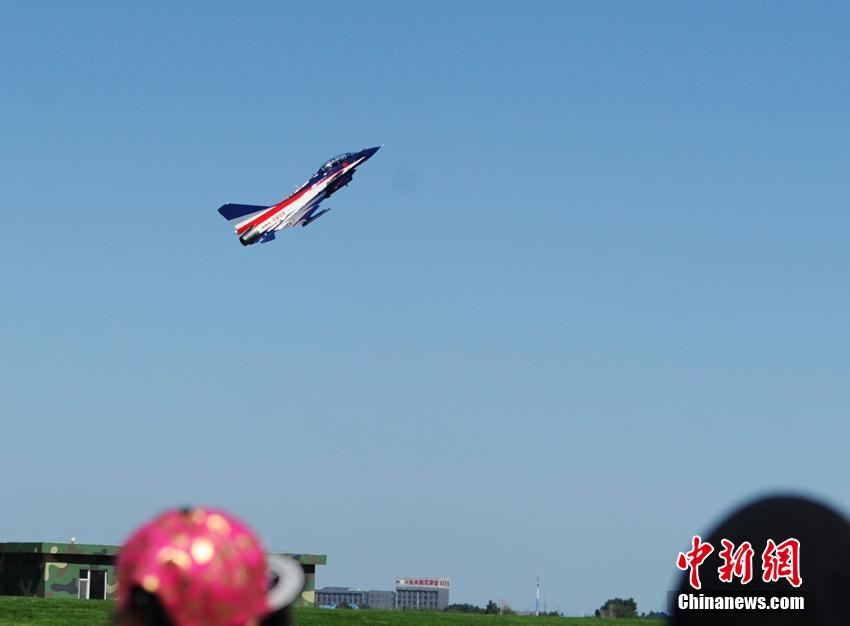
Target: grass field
[{"x": 40, "y": 612}]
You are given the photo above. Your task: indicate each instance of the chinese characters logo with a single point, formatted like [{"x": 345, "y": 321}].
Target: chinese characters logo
[{"x": 777, "y": 561}]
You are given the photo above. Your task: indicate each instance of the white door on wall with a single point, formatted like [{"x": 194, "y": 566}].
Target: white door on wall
[
  {"x": 83, "y": 585},
  {"x": 92, "y": 584}
]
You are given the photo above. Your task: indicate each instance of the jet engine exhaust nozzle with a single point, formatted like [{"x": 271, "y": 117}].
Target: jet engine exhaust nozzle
[{"x": 250, "y": 236}]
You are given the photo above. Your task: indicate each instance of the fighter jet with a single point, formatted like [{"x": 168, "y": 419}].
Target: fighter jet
[{"x": 258, "y": 224}]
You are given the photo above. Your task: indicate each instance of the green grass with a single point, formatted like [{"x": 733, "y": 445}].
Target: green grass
[
  {"x": 323, "y": 617},
  {"x": 16, "y": 611}
]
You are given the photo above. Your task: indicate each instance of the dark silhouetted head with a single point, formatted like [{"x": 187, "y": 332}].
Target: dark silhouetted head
[{"x": 824, "y": 537}]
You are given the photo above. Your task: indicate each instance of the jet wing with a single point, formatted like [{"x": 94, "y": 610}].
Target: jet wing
[
  {"x": 311, "y": 208},
  {"x": 305, "y": 213}
]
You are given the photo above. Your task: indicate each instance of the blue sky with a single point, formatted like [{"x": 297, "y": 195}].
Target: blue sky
[{"x": 592, "y": 294}]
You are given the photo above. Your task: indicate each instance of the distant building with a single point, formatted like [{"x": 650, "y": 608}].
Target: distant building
[
  {"x": 381, "y": 600},
  {"x": 422, "y": 594},
  {"x": 333, "y": 597},
  {"x": 87, "y": 571}
]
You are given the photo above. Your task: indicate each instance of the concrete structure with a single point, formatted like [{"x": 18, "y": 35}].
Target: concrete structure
[
  {"x": 422, "y": 594},
  {"x": 332, "y": 597},
  {"x": 87, "y": 571}
]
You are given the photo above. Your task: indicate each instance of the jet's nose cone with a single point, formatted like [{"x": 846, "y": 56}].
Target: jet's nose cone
[{"x": 368, "y": 152}]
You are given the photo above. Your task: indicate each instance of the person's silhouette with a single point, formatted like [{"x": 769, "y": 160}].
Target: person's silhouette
[{"x": 824, "y": 537}]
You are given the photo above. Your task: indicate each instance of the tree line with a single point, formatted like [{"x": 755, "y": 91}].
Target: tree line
[{"x": 612, "y": 609}]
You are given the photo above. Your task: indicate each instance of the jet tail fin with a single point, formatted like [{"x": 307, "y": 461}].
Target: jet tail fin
[{"x": 235, "y": 213}]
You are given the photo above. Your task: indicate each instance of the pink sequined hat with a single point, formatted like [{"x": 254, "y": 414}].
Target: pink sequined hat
[{"x": 207, "y": 568}]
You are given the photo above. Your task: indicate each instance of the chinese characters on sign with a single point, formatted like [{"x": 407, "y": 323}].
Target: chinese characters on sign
[
  {"x": 778, "y": 561},
  {"x": 424, "y": 582}
]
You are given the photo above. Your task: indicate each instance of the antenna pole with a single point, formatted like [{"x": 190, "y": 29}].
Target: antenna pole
[{"x": 537, "y": 599}]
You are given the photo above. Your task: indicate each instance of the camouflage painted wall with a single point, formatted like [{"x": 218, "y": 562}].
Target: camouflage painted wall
[
  {"x": 62, "y": 570},
  {"x": 308, "y": 564},
  {"x": 52, "y": 570},
  {"x": 308, "y": 594}
]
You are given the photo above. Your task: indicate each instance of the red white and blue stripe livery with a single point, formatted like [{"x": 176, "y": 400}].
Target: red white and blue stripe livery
[{"x": 258, "y": 224}]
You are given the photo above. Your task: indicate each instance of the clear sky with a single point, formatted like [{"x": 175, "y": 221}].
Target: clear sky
[{"x": 592, "y": 293}]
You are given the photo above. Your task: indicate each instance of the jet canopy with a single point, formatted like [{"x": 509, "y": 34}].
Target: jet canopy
[{"x": 334, "y": 161}]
